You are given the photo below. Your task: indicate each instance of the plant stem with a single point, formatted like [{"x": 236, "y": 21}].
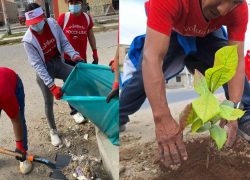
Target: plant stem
[{"x": 208, "y": 155}]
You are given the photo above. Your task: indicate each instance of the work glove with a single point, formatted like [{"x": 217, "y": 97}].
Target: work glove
[
  {"x": 95, "y": 57},
  {"x": 56, "y": 91},
  {"x": 114, "y": 92},
  {"x": 112, "y": 65},
  {"x": 78, "y": 59},
  {"x": 20, "y": 150}
]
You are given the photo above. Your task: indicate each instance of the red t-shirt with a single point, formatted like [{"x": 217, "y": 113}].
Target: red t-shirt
[
  {"x": 76, "y": 32},
  {"x": 47, "y": 42},
  {"x": 8, "y": 100},
  {"x": 186, "y": 18}
]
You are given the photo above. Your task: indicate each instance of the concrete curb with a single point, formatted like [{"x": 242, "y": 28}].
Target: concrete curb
[{"x": 109, "y": 154}]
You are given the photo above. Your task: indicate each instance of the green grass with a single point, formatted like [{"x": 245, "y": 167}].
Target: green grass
[
  {"x": 13, "y": 35},
  {"x": 10, "y": 42}
]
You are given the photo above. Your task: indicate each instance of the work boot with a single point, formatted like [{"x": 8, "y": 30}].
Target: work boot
[
  {"x": 55, "y": 139},
  {"x": 79, "y": 118},
  {"x": 25, "y": 167}
]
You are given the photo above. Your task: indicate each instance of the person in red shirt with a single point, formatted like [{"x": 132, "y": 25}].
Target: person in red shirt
[
  {"x": 163, "y": 55},
  {"x": 44, "y": 43},
  {"x": 77, "y": 26},
  {"x": 247, "y": 65},
  {"x": 12, "y": 101}
]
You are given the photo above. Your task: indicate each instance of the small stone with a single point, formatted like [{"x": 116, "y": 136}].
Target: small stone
[
  {"x": 86, "y": 136},
  {"x": 154, "y": 171},
  {"x": 74, "y": 175},
  {"x": 122, "y": 170}
]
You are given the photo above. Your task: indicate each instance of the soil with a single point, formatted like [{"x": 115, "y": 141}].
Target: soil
[{"x": 140, "y": 161}]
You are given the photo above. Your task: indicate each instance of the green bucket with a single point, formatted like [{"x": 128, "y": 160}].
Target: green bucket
[{"x": 86, "y": 90}]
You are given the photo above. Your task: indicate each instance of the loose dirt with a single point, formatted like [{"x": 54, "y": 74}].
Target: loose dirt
[{"x": 140, "y": 161}]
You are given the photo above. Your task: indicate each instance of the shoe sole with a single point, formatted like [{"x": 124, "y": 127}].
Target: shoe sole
[{"x": 244, "y": 135}]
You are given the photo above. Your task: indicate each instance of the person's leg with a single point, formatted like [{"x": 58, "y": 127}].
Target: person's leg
[
  {"x": 21, "y": 101},
  {"x": 48, "y": 102},
  {"x": 73, "y": 64},
  {"x": 133, "y": 94}
]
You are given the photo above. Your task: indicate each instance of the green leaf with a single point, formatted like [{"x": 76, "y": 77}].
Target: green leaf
[
  {"x": 226, "y": 62},
  {"x": 219, "y": 135},
  {"x": 191, "y": 117},
  {"x": 230, "y": 114},
  {"x": 204, "y": 128},
  {"x": 227, "y": 56},
  {"x": 227, "y": 103},
  {"x": 217, "y": 76},
  {"x": 206, "y": 107},
  {"x": 196, "y": 125},
  {"x": 215, "y": 119},
  {"x": 200, "y": 83}
]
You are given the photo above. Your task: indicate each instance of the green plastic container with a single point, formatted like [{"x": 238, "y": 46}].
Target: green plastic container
[{"x": 86, "y": 90}]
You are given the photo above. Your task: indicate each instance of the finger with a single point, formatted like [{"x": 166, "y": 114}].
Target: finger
[
  {"x": 166, "y": 160},
  {"x": 182, "y": 148},
  {"x": 231, "y": 137},
  {"x": 174, "y": 153},
  {"x": 222, "y": 123}
]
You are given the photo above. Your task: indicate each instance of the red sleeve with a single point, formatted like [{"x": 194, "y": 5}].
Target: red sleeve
[
  {"x": 90, "y": 23},
  {"x": 11, "y": 107},
  {"x": 163, "y": 14},
  {"x": 238, "y": 19},
  {"x": 61, "y": 20}
]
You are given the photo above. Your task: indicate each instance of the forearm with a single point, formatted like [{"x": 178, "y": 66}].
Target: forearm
[
  {"x": 92, "y": 40},
  {"x": 18, "y": 128},
  {"x": 236, "y": 84},
  {"x": 154, "y": 85}
]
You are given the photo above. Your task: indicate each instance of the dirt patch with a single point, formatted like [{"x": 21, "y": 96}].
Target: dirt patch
[
  {"x": 139, "y": 161},
  {"x": 79, "y": 142}
]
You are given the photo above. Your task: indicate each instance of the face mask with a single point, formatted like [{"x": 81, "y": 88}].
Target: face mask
[
  {"x": 76, "y": 8},
  {"x": 38, "y": 27}
]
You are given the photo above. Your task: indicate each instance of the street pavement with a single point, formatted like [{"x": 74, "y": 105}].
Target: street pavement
[{"x": 15, "y": 57}]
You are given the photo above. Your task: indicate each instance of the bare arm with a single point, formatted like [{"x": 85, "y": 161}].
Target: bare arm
[
  {"x": 236, "y": 84},
  {"x": 155, "y": 48},
  {"x": 168, "y": 134},
  {"x": 92, "y": 40}
]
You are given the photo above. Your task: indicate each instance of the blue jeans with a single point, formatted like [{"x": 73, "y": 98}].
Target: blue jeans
[
  {"x": 21, "y": 101},
  {"x": 133, "y": 94}
]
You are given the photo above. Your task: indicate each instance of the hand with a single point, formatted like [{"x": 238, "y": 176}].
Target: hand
[
  {"x": 231, "y": 127},
  {"x": 56, "y": 91},
  {"x": 112, "y": 65},
  {"x": 78, "y": 59},
  {"x": 20, "y": 150},
  {"x": 95, "y": 57},
  {"x": 169, "y": 138},
  {"x": 114, "y": 92}
]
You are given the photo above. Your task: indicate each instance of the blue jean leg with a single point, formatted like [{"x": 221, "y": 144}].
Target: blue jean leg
[{"x": 21, "y": 100}]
